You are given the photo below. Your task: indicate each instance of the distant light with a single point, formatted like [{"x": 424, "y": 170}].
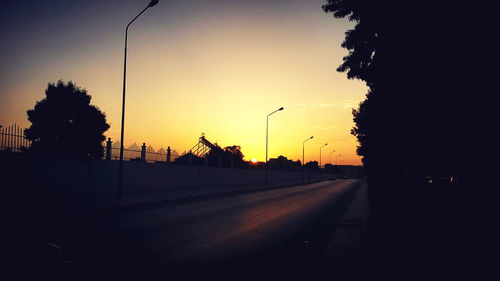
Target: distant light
[{"x": 254, "y": 161}]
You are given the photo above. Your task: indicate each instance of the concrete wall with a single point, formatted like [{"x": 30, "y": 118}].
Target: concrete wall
[{"x": 94, "y": 178}]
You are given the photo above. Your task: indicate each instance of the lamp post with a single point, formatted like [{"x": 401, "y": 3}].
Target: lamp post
[
  {"x": 320, "y": 153},
  {"x": 120, "y": 167},
  {"x": 340, "y": 165},
  {"x": 330, "y": 157},
  {"x": 267, "y": 134},
  {"x": 303, "y": 144},
  {"x": 336, "y": 162}
]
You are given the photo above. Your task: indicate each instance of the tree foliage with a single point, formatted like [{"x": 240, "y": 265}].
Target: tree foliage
[
  {"x": 65, "y": 123},
  {"x": 226, "y": 156},
  {"x": 312, "y": 165},
  {"x": 406, "y": 52}
]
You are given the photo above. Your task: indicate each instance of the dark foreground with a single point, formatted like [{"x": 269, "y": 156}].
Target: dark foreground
[
  {"x": 249, "y": 234},
  {"x": 417, "y": 231}
]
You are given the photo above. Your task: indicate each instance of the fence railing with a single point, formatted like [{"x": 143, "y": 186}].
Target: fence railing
[
  {"x": 131, "y": 154},
  {"x": 12, "y": 139},
  {"x": 136, "y": 153}
]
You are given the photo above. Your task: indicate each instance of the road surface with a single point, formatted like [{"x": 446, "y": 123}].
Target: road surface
[{"x": 207, "y": 232}]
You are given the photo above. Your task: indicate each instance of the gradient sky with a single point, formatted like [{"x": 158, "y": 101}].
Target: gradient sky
[{"x": 194, "y": 66}]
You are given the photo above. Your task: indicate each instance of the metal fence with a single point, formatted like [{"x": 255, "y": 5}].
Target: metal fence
[
  {"x": 12, "y": 138},
  {"x": 137, "y": 153}
]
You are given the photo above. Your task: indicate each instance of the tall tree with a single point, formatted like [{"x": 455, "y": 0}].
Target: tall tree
[
  {"x": 406, "y": 52},
  {"x": 65, "y": 123}
]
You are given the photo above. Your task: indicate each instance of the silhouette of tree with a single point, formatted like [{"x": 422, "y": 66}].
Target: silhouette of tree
[
  {"x": 406, "y": 53},
  {"x": 283, "y": 164},
  {"x": 65, "y": 123},
  {"x": 312, "y": 165},
  {"x": 332, "y": 169},
  {"x": 226, "y": 155},
  {"x": 423, "y": 64},
  {"x": 234, "y": 153}
]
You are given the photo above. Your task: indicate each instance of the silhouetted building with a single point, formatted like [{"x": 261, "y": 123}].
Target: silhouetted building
[{"x": 190, "y": 159}]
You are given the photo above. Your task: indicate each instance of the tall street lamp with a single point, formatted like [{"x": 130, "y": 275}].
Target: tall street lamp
[
  {"x": 320, "y": 153},
  {"x": 120, "y": 167},
  {"x": 267, "y": 134},
  {"x": 303, "y": 144}
]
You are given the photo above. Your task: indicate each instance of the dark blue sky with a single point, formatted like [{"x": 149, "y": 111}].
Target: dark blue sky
[{"x": 45, "y": 28}]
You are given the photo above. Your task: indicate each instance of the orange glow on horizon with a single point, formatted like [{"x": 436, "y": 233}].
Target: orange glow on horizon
[{"x": 218, "y": 75}]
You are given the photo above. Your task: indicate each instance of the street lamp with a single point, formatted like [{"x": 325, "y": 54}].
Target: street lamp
[
  {"x": 320, "y": 153},
  {"x": 340, "y": 155},
  {"x": 120, "y": 167},
  {"x": 303, "y": 143},
  {"x": 330, "y": 157},
  {"x": 267, "y": 134}
]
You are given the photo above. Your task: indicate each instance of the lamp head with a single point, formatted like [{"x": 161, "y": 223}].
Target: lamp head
[
  {"x": 311, "y": 137},
  {"x": 281, "y": 108},
  {"x": 153, "y": 3}
]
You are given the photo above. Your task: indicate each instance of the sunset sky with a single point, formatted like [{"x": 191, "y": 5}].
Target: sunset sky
[{"x": 194, "y": 66}]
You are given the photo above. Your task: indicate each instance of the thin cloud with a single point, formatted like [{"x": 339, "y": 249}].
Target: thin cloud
[
  {"x": 302, "y": 104},
  {"x": 324, "y": 128},
  {"x": 349, "y": 104},
  {"x": 327, "y": 104}
]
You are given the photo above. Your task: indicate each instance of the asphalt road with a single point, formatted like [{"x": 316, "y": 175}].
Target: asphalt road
[{"x": 206, "y": 232}]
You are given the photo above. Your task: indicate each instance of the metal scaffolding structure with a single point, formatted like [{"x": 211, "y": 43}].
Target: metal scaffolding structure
[{"x": 203, "y": 147}]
